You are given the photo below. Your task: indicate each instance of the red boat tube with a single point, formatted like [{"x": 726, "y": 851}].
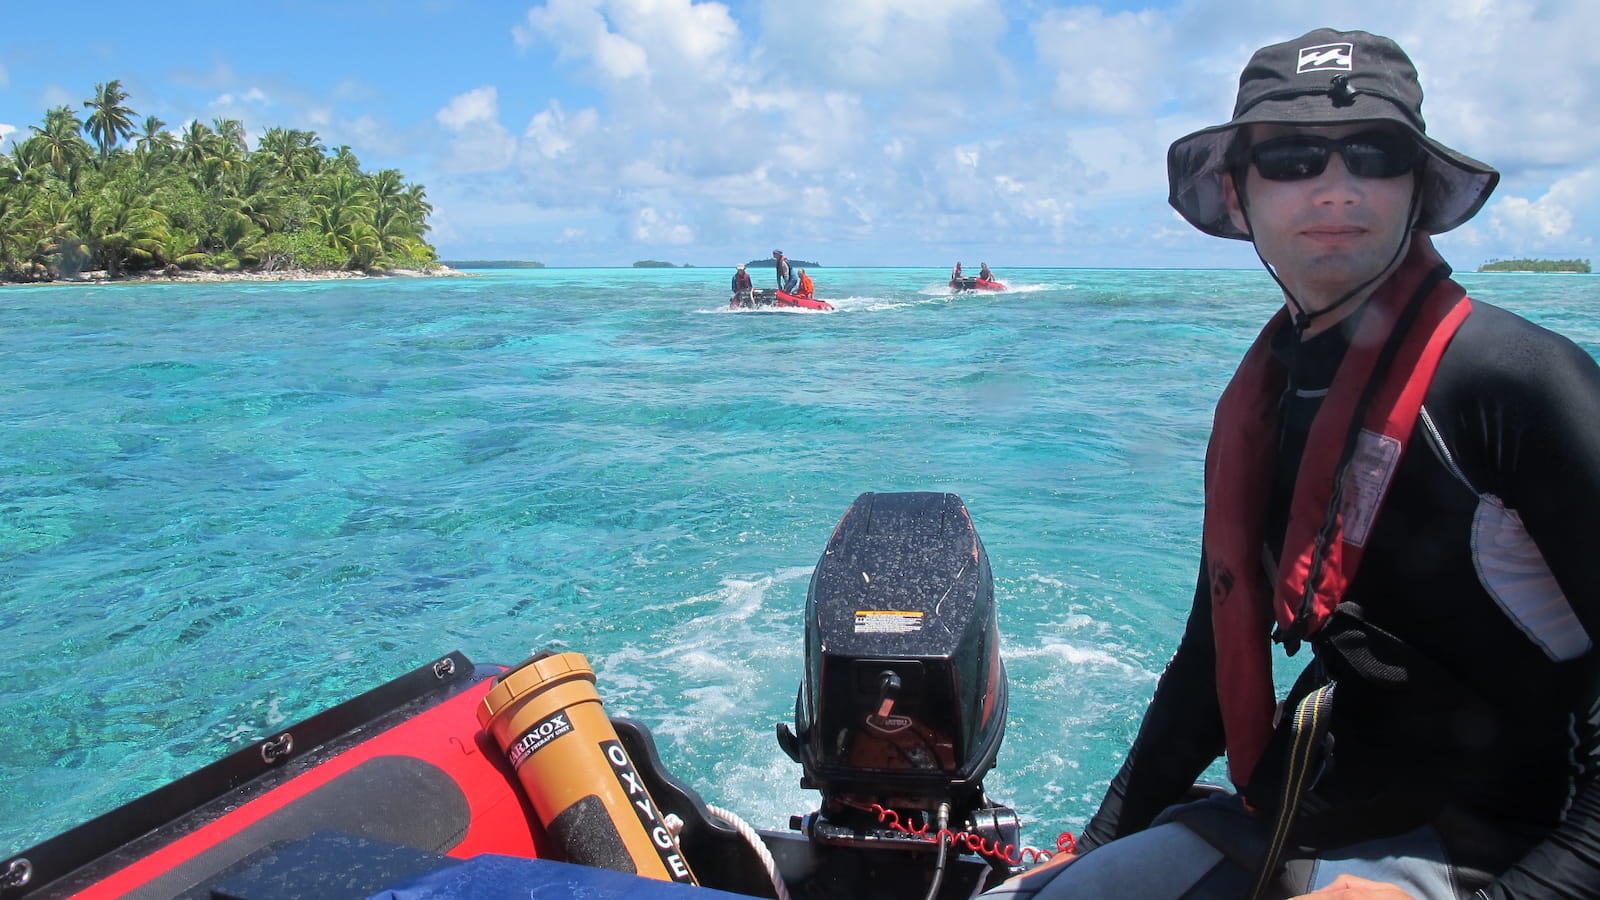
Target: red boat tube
[{"x": 795, "y": 300}]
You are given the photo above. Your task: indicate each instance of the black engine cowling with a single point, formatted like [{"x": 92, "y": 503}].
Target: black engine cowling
[{"x": 903, "y": 703}]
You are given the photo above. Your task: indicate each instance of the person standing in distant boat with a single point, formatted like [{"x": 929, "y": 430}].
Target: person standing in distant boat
[
  {"x": 1402, "y": 479},
  {"x": 742, "y": 288},
  {"x": 984, "y": 273},
  {"x": 806, "y": 289},
  {"x": 785, "y": 277}
]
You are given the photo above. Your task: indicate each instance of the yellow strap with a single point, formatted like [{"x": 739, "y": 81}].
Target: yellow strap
[{"x": 1310, "y": 722}]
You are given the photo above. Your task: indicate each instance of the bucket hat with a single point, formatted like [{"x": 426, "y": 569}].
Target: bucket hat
[{"x": 1325, "y": 77}]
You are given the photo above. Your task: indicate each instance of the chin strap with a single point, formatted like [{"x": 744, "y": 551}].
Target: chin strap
[{"x": 1303, "y": 319}]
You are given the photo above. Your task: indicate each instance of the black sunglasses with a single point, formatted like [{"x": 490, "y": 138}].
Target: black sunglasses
[{"x": 1369, "y": 154}]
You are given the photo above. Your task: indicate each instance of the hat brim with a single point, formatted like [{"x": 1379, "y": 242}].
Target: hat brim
[{"x": 1454, "y": 187}]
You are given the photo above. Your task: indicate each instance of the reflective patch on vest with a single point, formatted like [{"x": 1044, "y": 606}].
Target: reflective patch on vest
[
  {"x": 1365, "y": 483},
  {"x": 1514, "y": 572}
]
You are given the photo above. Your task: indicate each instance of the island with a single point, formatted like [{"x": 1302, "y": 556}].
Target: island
[
  {"x": 658, "y": 264},
  {"x": 770, "y": 263},
  {"x": 1580, "y": 266},
  {"x": 492, "y": 264},
  {"x": 145, "y": 201}
]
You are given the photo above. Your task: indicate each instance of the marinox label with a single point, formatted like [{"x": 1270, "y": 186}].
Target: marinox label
[
  {"x": 535, "y": 738},
  {"x": 645, "y": 809}
]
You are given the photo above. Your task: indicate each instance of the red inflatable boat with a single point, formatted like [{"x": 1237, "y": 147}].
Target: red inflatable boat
[
  {"x": 762, "y": 298},
  {"x": 970, "y": 283}
]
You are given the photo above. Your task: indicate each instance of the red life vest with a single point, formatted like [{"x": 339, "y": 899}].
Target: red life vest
[{"x": 1239, "y": 465}]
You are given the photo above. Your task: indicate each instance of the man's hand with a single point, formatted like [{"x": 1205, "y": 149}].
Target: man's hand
[{"x": 1349, "y": 887}]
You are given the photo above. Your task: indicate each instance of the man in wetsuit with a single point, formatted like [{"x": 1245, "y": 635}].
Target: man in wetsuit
[
  {"x": 1401, "y": 479},
  {"x": 784, "y": 278}
]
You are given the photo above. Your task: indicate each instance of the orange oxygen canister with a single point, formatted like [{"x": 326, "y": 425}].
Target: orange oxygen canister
[{"x": 547, "y": 717}]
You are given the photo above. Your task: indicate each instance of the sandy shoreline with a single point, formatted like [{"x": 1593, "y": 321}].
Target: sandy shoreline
[{"x": 157, "y": 276}]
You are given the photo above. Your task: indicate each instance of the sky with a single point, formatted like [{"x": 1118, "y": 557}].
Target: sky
[{"x": 846, "y": 132}]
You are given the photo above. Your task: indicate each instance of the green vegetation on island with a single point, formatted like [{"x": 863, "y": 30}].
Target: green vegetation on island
[
  {"x": 658, "y": 264},
  {"x": 1536, "y": 265},
  {"x": 770, "y": 263},
  {"x": 200, "y": 201}
]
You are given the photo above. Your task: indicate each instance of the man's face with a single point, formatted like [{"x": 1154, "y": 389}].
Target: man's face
[{"x": 1327, "y": 234}]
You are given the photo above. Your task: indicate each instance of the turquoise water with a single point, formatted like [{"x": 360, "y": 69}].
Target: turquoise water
[{"x": 225, "y": 507}]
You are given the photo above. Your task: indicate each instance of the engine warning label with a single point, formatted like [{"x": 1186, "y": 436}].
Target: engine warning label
[{"x": 887, "y": 621}]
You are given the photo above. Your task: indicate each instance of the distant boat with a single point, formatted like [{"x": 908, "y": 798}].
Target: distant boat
[
  {"x": 758, "y": 298},
  {"x": 971, "y": 283}
]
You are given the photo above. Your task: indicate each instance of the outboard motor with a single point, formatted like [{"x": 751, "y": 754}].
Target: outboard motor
[{"x": 903, "y": 704}]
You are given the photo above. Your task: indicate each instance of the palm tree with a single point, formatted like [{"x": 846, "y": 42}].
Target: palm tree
[
  {"x": 290, "y": 153},
  {"x": 196, "y": 144},
  {"x": 29, "y": 165},
  {"x": 415, "y": 202},
  {"x": 195, "y": 198},
  {"x": 344, "y": 214},
  {"x": 111, "y": 121},
  {"x": 123, "y": 228},
  {"x": 64, "y": 150},
  {"x": 155, "y": 142},
  {"x": 261, "y": 198},
  {"x": 230, "y": 140},
  {"x": 344, "y": 159}
]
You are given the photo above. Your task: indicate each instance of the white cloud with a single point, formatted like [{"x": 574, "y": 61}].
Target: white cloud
[
  {"x": 877, "y": 45},
  {"x": 552, "y": 133},
  {"x": 651, "y": 227},
  {"x": 475, "y": 106},
  {"x": 1547, "y": 222},
  {"x": 1117, "y": 65},
  {"x": 479, "y": 143},
  {"x": 253, "y": 96},
  {"x": 902, "y": 124},
  {"x": 579, "y": 30},
  {"x": 6, "y": 131}
]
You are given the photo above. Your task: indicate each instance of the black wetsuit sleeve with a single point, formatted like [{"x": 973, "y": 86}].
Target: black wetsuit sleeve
[
  {"x": 1544, "y": 455},
  {"x": 1520, "y": 406},
  {"x": 1180, "y": 736},
  {"x": 1565, "y": 865},
  {"x": 1547, "y": 467}
]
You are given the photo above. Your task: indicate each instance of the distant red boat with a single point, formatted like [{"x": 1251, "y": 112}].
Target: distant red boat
[
  {"x": 970, "y": 283},
  {"x": 760, "y": 298}
]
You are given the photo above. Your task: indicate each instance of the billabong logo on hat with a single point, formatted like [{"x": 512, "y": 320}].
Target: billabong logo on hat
[{"x": 1326, "y": 58}]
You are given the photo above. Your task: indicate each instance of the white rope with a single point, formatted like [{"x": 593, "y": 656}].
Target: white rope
[{"x": 757, "y": 844}]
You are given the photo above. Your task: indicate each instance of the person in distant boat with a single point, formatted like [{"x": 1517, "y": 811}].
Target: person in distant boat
[
  {"x": 984, "y": 273},
  {"x": 1401, "y": 479},
  {"x": 955, "y": 275},
  {"x": 742, "y": 288},
  {"x": 806, "y": 289},
  {"x": 785, "y": 277}
]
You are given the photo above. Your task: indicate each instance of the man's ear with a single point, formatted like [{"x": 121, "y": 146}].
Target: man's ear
[{"x": 1230, "y": 194}]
